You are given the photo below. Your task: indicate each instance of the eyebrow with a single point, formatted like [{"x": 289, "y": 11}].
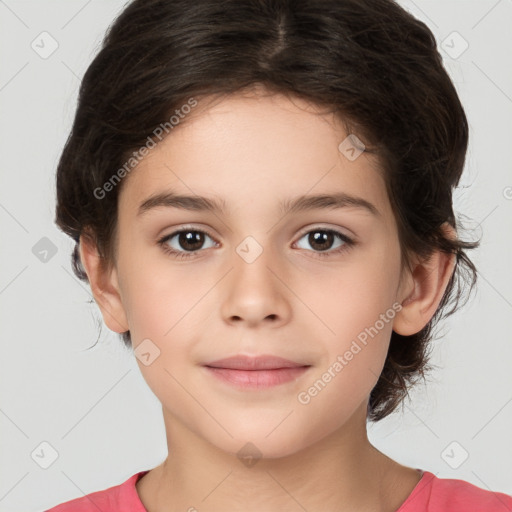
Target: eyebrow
[{"x": 296, "y": 205}]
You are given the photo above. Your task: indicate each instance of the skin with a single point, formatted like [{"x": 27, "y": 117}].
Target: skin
[{"x": 253, "y": 150}]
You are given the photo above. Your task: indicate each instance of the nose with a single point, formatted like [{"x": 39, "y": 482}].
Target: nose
[{"x": 255, "y": 291}]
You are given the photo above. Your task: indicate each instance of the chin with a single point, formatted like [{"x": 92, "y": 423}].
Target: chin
[{"x": 256, "y": 444}]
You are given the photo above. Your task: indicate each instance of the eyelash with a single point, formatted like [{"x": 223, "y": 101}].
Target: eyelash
[{"x": 348, "y": 243}]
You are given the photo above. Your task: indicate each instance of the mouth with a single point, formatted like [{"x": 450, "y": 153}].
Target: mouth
[
  {"x": 256, "y": 372},
  {"x": 254, "y": 363}
]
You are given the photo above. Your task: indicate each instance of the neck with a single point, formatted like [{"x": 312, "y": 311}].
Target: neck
[{"x": 340, "y": 472}]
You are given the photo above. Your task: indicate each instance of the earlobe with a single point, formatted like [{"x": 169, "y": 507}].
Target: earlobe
[
  {"x": 430, "y": 278},
  {"x": 104, "y": 286}
]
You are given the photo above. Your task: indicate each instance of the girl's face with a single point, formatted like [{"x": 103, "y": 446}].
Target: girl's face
[{"x": 253, "y": 278}]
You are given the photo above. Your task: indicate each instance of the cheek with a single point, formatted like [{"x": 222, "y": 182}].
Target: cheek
[
  {"x": 164, "y": 308},
  {"x": 159, "y": 294},
  {"x": 350, "y": 296},
  {"x": 355, "y": 305}
]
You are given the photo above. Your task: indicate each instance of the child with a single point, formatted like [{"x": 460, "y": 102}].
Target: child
[{"x": 261, "y": 196}]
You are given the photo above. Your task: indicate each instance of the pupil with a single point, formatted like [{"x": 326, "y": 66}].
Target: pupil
[
  {"x": 322, "y": 238},
  {"x": 193, "y": 238}
]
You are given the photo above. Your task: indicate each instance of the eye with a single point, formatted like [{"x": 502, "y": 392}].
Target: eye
[
  {"x": 191, "y": 240},
  {"x": 322, "y": 239}
]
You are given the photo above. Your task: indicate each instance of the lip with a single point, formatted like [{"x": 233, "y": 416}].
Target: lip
[
  {"x": 255, "y": 372},
  {"x": 259, "y": 362}
]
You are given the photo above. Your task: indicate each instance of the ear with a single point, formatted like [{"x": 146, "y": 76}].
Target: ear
[
  {"x": 424, "y": 289},
  {"x": 104, "y": 285}
]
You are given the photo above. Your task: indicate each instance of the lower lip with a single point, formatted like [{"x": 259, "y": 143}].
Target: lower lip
[{"x": 257, "y": 379}]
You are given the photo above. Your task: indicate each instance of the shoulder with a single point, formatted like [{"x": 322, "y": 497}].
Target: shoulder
[
  {"x": 107, "y": 500},
  {"x": 433, "y": 494}
]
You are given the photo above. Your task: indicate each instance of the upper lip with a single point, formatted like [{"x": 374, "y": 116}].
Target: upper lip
[{"x": 260, "y": 362}]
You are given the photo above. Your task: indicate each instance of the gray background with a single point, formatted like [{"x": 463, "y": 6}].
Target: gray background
[{"x": 93, "y": 407}]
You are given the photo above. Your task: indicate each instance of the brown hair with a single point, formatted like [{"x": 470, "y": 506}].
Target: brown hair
[{"x": 368, "y": 61}]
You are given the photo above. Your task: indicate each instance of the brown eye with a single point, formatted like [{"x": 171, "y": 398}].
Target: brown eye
[
  {"x": 185, "y": 242},
  {"x": 190, "y": 240},
  {"x": 322, "y": 240}
]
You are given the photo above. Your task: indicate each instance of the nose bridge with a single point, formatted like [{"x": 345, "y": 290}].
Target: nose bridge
[
  {"x": 254, "y": 258},
  {"x": 255, "y": 292}
]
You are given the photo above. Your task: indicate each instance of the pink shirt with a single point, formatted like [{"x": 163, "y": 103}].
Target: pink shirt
[{"x": 431, "y": 494}]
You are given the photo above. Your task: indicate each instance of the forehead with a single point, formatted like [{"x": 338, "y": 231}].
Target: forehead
[{"x": 252, "y": 147}]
